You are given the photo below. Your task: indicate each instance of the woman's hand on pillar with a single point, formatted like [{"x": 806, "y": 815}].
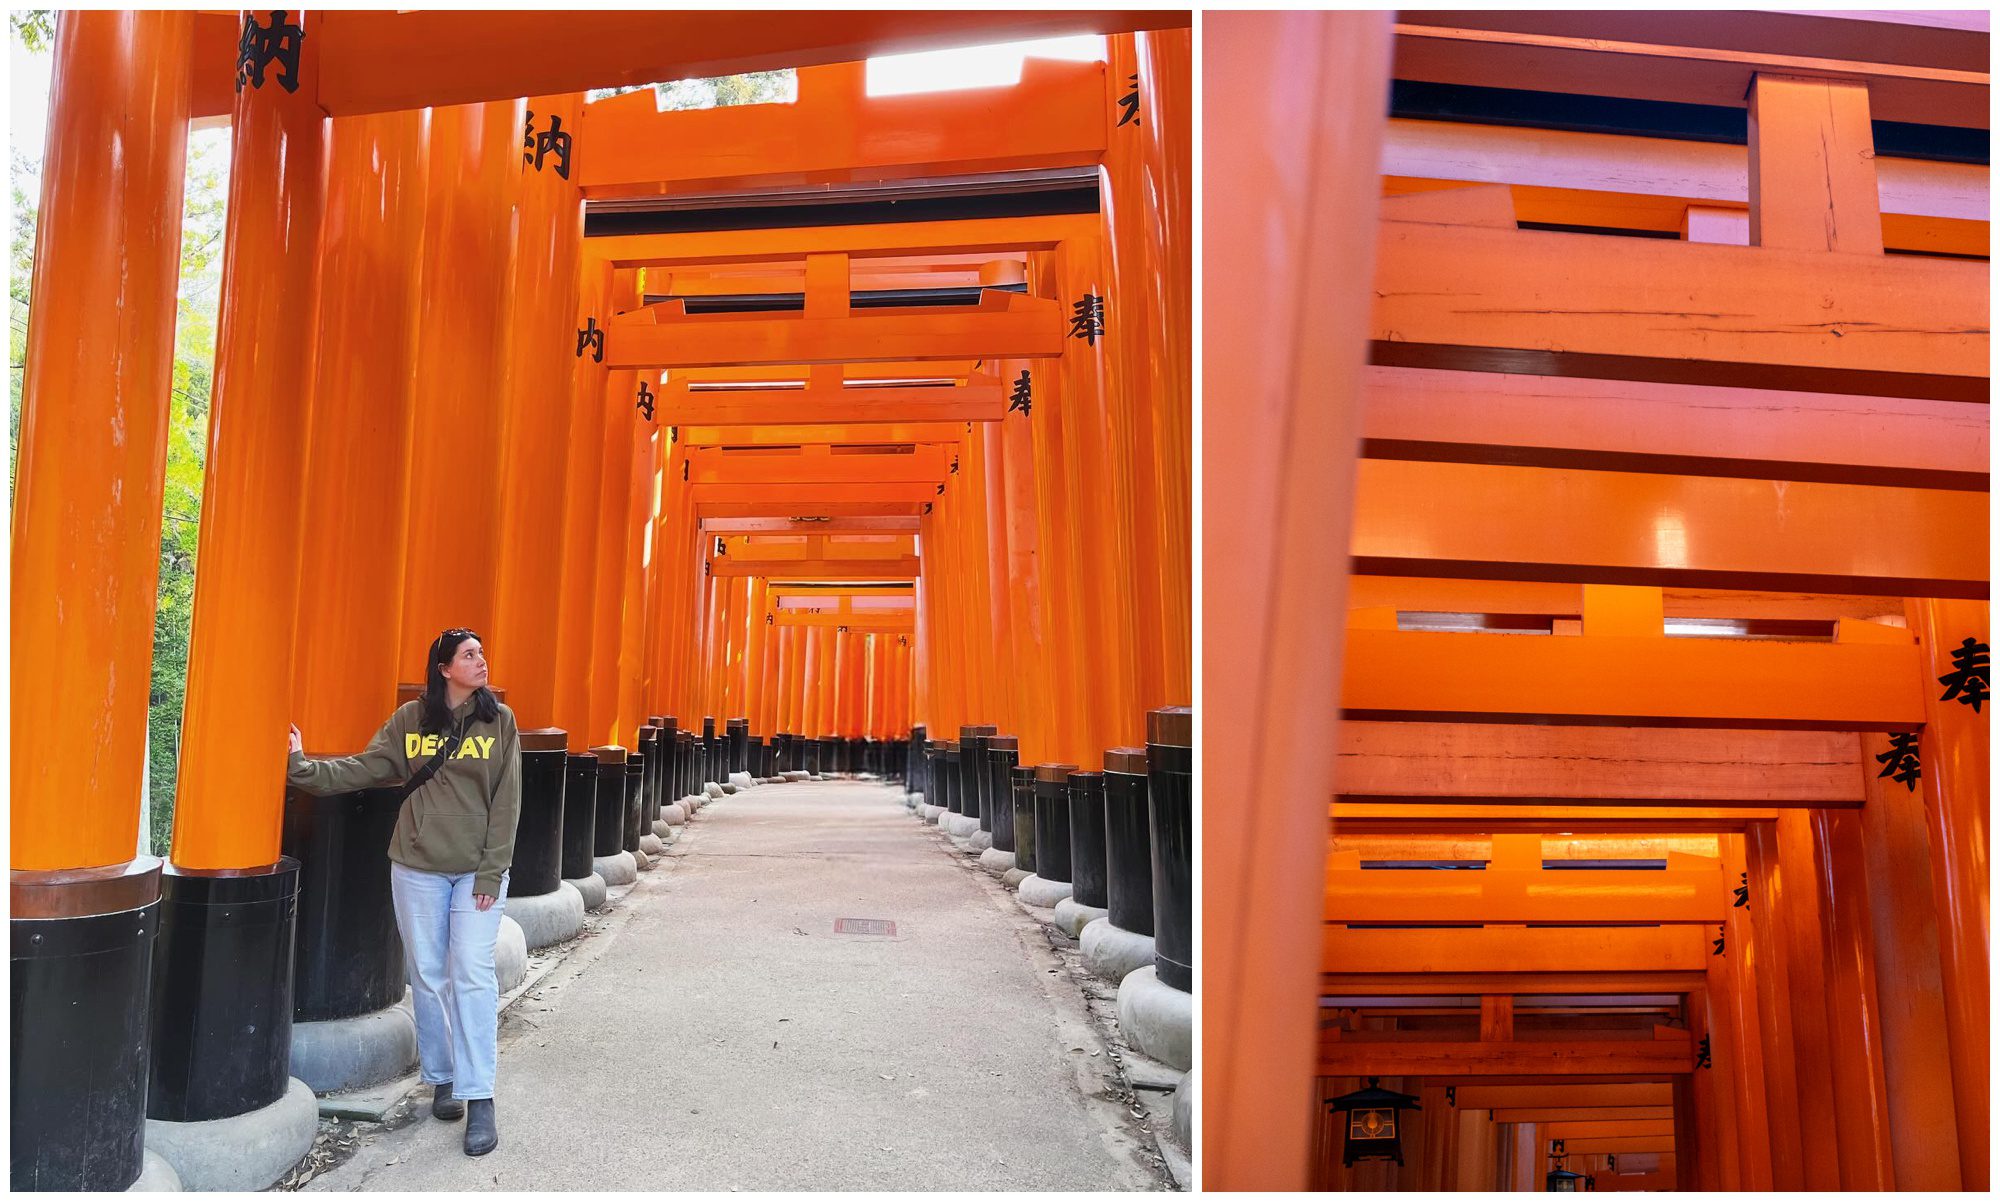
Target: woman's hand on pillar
[{"x": 298, "y": 744}]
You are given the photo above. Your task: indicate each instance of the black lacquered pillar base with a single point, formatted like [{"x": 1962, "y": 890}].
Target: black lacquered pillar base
[
  {"x": 919, "y": 772},
  {"x": 1128, "y": 841},
  {"x": 690, "y": 763},
  {"x": 1022, "y": 800},
  {"x": 666, "y": 785},
  {"x": 636, "y": 824},
  {"x": 1003, "y": 755},
  {"x": 954, "y": 781},
  {"x": 1086, "y": 838},
  {"x": 222, "y": 992},
  {"x": 711, "y": 754},
  {"x": 81, "y": 966},
  {"x": 975, "y": 789},
  {"x": 739, "y": 744},
  {"x": 610, "y": 833},
  {"x": 649, "y": 781},
  {"x": 348, "y": 957},
  {"x": 1170, "y": 788},
  {"x": 538, "y": 837},
  {"x": 579, "y": 829},
  {"x": 1052, "y": 851}
]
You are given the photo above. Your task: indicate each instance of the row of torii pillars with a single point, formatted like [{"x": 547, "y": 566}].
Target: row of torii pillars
[{"x": 403, "y": 293}]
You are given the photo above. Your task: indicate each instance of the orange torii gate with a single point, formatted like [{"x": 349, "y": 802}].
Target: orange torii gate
[{"x": 389, "y": 240}]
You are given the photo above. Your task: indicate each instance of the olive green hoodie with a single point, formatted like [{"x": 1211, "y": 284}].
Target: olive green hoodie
[{"x": 462, "y": 819}]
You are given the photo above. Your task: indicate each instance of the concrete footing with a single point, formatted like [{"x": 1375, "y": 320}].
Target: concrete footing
[
  {"x": 661, "y": 830},
  {"x": 929, "y": 813},
  {"x": 674, "y": 815},
  {"x": 591, "y": 888},
  {"x": 347, "y": 1053},
  {"x": 996, "y": 861},
  {"x": 620, "y": 869},
  {"x": 1184, "y": 1110},
  {"x": 1072, "y": 916},
  {"x": 242, "y": 1152},
  {"x": 729, "y": 788},
  {"x": 545, "y": 919},
  {"x": 979, "y": 840},
  {"x": 913, "y": 801},
  {"x": 743, "y": 780},
  {"x": 156, "y": 1176},
  {"x": 650, "y": 844},
  {"x": 1113, "y": 952},
  {"x": 693, "y": 802},
  {"x": 1013, "y": 877},
  {"x": 640, "y": 860},
  {"x": 1157, "y": 1019},
  {"x": 1043, "y": 892},
  {"x": 510, "y": 954},
  {"x": 793, "y": 776},
  {"x": 715, "y": 792},
  {"x": 958, "y": 826}
]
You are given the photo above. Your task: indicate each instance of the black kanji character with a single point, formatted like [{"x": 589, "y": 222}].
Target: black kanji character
[
  {"x": 1743, "y": 892},
  {"x": 592, "y": 337},
  {"x": 1130, "y": 102},
  {"x": 645, "y": 404},
  {"x": 535, "y": 147},
  {"x": 1023, "y": 398},
  {"x": 1087, "y": 319},
  {"x": 1702, "y": 1055},
  {"x": 1900, "y": 761},
  {"x": 1969, "y": 683},
  {"x": 1721, "y": 934},
  {"x": 262, "y": 44}
]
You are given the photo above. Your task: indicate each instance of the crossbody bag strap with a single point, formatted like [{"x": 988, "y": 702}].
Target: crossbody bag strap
[{"x": 451, "y": 742}]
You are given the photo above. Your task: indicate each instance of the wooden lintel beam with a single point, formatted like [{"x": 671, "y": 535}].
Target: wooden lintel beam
[
  {"x": 1537, "y": 896},
  {"x": 853, "y": 622},
  {"x": 1484, "y": 1096},
  {"x": 1004, "y": 326},
  {"x": 1539, "y": 816},
  {"x": 992, "y": 234},
  {"x": 907, "y": 434},
  {"x": 1437, "y": 595},
  {"x": 875, "y": 525},
  {"x": 1513, "y": 949},
  {"x": 980, "y": 399},
  {"x": 1361, "y": 1058},
  {"x": 1601, "y": 681},
  {"x": 1402, "y": 762},
  {"x": 1494, "y": 522},
  {"x": 1448, "y": 983},
  {"x": 779, "y": 593},
  {"x": 779, "y": 466},
  {"x": 907, "y": 568},
  {"x": 1619, "y": 1145},
  {"x": 1644, "y": 309},
  {"x": 1580, "y": 1114},
  {"x": 1673, "y": 429}
]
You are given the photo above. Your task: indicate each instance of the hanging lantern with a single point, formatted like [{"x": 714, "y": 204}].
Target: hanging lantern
[
  {"x": 1372, "y": 1130},
  {"x": 1561, "y": 1179}
]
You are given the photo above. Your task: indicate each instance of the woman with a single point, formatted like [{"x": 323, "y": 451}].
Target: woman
[{"x": 454, "y": 843}]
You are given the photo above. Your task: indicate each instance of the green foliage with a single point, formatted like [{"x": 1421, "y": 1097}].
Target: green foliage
[
  {"x": 756, "y": 87},
  {"x": 35, "y": 27},
  {"x": 27, "y": 191}
]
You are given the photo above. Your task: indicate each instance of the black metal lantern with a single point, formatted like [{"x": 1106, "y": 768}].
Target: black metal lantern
[
  {"x": 1373, "y": 1132},
  {"x": 1561, "y": 1180}
]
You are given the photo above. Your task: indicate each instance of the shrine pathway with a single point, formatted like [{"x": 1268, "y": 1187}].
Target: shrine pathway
[{"x": 717, "y": 1034}]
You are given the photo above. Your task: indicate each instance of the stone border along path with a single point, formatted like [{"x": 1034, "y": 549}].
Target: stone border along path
[{"x": 741, "y": 1044}]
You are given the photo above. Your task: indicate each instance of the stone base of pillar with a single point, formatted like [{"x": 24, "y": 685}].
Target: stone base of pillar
[
  {"x": 156, "y": 1176},
  {"x": 1013, "y": 877},
  {"x": 1157, "y": 1019},
  {"x": 931, "y": 814},
  {"x": 996, "y": 861},
  {"x": 980, "y": 840},
  {"x": 592, "y": 889},
  {"x": 651, "y": 845},
  {"x": 640, "y": 860},
  {"x": 958, "y": 826},
  {"x": 913, "y": 801},
  {"x": 1072, "y": 916},
  {"x": 366, "y": 1049},
  {"x": 743, "y": 780},
  {"x": 1043, "y": 892},
  {"x": 715, "y": 792},
  {"x": 546, "y": 919},
  {"x": 794, "y": 776},
  {"x": 1184, "y": 1109},
  {"x": 244, "y": 1151},
  {"x": 620, "y": 869},
  {"x": 510, "y": 954},
  {"x": 729, "y": 788},
  {"x": 1112, "y": 952},
  {"x": 674, "y": 815},
  {"x": 662, "y": 830}
]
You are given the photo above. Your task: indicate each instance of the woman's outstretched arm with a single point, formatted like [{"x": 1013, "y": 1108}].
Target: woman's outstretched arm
[{"x": 381, "y": 762}]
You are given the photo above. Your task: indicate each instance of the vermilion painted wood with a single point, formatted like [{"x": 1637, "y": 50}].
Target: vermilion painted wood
[
  {"x": 1342, "y": 1057},
  {"x": 1508, "y": 949}
]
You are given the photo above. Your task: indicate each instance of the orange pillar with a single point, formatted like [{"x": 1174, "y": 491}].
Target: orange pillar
[
  {"x": 1853, "y": 1013},
  {"x": 1027, "y": 668},
  {"x": 758, "y": 650},
  {"x": 527, "y": 555},
  {"x": 1281, "y": 429},
  {"x": 1955, "y": 787},
  {"x": 93, "y": 441},
  {"x": 582, "y": 495},
  {"x": 636, "y": 514},
  {"x": 458, "y": 448},
  {"x": 1796, "y": 912},
  {"x": 613, "y": 511},
  {"x": 228, "y": 812},
  {"x": 349, "y": 625}
]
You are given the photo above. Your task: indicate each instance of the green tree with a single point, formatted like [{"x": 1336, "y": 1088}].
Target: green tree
[{"x": 755, "y": 87}]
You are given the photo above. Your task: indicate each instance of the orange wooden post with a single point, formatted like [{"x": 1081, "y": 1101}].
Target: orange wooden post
[
  {"x": 528, "y": 558},
  {"x": 1057, "y": 555},
  {"x": 348, "y": 631},
  {"x": 1853, "y": 1013},
  {"x": 1956, "y": 763},
  {"x": 460, "y": 375},
  {"x": 756, "y": 696},
  {"x": 227, "y": 813},
  {"x": 1812, "y": 166},
  {"x": 1916, "y": 1047},
  {"x": 1748, "y": 1045},
  {"x": 1796, "y": 909},
  {"x": 582, "y": 494},
  {"x": 93, "y": 442},
  {"x": 1281, "y": 426},
  {"x": 635, "y": 516},
  {"x": 613, "y": 510},
  {"x": 1771, "y": 952}
]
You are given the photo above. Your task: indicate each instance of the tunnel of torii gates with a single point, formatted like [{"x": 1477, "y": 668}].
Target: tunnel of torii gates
[
  {"x": 1702, "y": 912},
  {"x": 832, "y": 423}
]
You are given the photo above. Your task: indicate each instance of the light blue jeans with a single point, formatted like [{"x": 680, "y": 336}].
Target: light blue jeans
[{"x": 448, "y": 953}]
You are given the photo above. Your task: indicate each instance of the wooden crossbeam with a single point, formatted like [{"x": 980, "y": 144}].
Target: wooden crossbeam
[
  {"x": 1543, "y": 421},
  {"x": 850, "y": 525},
  {"x": 796, "y": 374},
  {"x": 1455, "y": 847},
  {"x": 1619, "y": 1145},
  {"x": 1607, "y": 1128},
  {"x": 1482, "y": 1096},
  {"x": 980, "y": 399},
  {"x": 1599, "y": 66},
  {"x": 779, "y": 593},
  {"x": 1004, "y": 325},
  {"x": 1346, "y": 1057},
  {"x": 1670, "y": 312},
  {"x": 1537, "y": 815},
  {"x": 1460, "y": 984},
  {"x": 1604, "y": 681},
  {"x": 986, "y": 235},
  {"x": 1580, "y": 1114},
  {"x": 1394, "y": 761},
  {"x": 1350, "y": 950},
  {"x": 1483, "y": 521},
  {"x": 1429, "y": 594},
  {"x": 1690, "y": 890},
  {"x": 809, "y": 500},
  {"x": 816, "y": 465},
  {"x": 910, "y": 434},
  {"x": 905, "y": 568},
  {"x": 376, "y": 61},
  {"x": 815, "y": 544},
  {"x": 834, "y": 132},
  {"x": 854, "y": 622}
]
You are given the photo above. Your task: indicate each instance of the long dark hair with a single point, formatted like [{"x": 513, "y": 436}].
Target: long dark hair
[{"x": 437, "y": 707}]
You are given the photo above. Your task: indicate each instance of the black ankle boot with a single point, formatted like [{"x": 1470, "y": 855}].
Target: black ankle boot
[
  {"x": 481, "y": 1135},
  {"x": 444, "y": 1106}
]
